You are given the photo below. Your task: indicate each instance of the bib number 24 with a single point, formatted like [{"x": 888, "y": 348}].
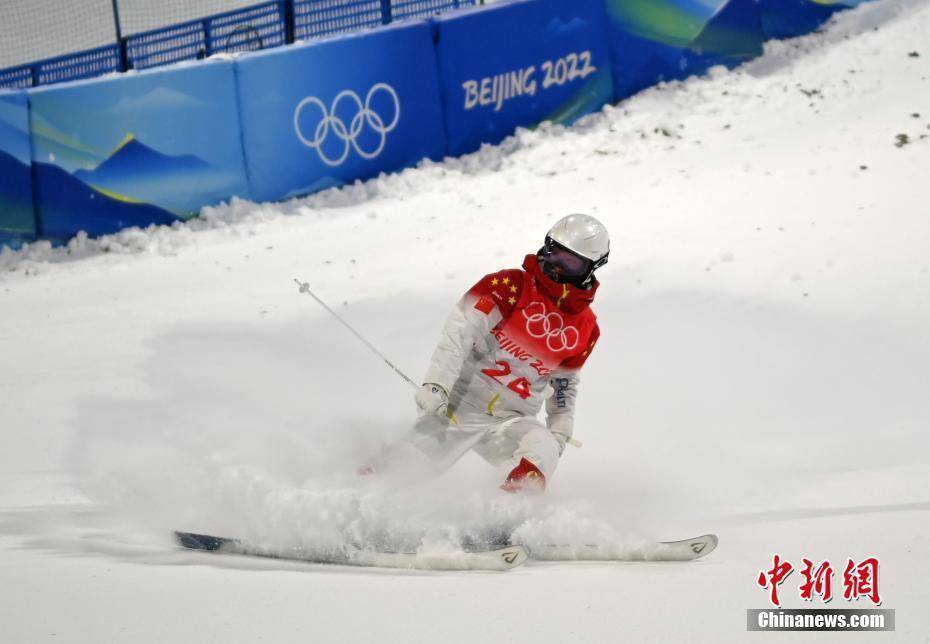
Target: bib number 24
[{"x": 519, "y": 385}]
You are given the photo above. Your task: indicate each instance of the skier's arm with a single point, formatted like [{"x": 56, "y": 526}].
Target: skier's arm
[
  {"x": 560, "y": 406},
  {"x": 464, "y": 327},
  {"x": 470, "y": 324}
]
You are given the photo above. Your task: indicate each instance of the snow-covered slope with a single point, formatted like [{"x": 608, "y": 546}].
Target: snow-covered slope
[{"x": 764, "y": 374}]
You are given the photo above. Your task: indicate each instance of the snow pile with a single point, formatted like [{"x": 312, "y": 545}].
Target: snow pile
[{"x": 246, "y": 458}]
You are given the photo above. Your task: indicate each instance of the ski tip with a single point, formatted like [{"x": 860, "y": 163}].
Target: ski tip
[
  {"x": 686, "y": 549},
  {"x": 703, "y": 545},
  {"x": 512, "y": 556}
]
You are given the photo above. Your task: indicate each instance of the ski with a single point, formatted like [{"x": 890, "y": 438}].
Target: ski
[
  {"x": 496, "y": 559},
  {"x": 684, "y": 550},
  {"x": 493, "y": 557}
]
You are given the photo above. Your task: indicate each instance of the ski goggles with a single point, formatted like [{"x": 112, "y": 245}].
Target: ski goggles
[{"x": 564, "y": 262}]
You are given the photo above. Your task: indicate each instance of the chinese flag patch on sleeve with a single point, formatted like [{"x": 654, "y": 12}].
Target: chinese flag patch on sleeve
[{"x": 484, "y": 305}]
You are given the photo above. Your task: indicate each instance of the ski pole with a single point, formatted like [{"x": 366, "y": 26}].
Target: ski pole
[{"x": 305, "y": 288}]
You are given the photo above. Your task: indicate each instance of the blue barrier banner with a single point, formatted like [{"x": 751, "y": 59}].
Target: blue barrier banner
[
  {"x": 326, "y": 113},
  {"x": 150, "y": 147},
  {"x": 518, "y": 64},
  {"x": 17, "y": 219},
  {"x": 662, "y": 40},
  {"x": 791, "y": 18}
]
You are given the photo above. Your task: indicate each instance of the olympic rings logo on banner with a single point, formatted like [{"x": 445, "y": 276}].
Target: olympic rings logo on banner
[
  {"x": 330, "y": 123},
  {"x": 551, "y": 326}
]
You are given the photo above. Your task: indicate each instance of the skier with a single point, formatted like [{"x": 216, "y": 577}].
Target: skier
[{"x": 516, "y": 339}]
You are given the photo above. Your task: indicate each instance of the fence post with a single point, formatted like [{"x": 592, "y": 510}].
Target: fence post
[
  {"x": 208, "y": 38},
  {"x": 124, "y": 54},
  {"x": 120, "y": 41},
  {"x": 385, "y": 12},
  {"x": 288, "y": 21}
]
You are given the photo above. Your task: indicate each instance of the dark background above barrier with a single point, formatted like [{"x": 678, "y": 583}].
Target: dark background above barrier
[
  {"x": 249, "y": 29},
  {"x": 243, "y": 28}
]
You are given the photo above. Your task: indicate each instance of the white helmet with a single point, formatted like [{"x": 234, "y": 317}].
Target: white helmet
[{"x": 575, "y": 247}]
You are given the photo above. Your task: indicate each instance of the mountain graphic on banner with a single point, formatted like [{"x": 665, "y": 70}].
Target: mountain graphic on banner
[
  {"x": 14, "y": 140},
  {"x": 134, "y": 162},
  {"x": 67, "y": 204},
  {"x": 137, "y": 172},
  {"x": 16, "y": 218}
]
